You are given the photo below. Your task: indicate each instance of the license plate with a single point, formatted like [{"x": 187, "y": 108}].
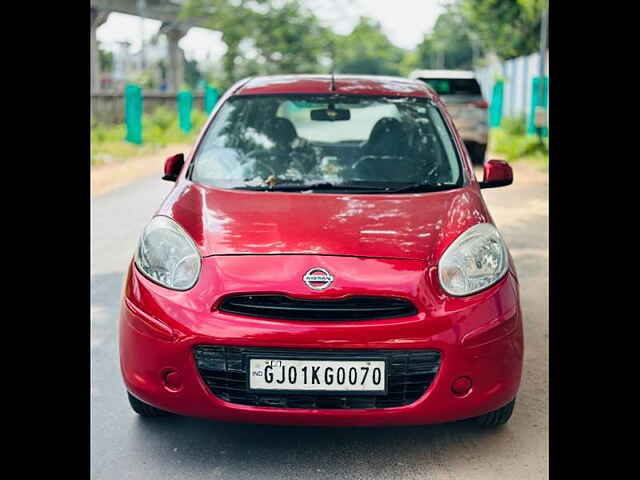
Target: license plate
[{"x": 317, "y": 375}]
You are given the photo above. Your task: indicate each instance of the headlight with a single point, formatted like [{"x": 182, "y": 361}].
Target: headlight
[
  {"x": 167, "y": 255},
  {"x": 474, "y": 261}
]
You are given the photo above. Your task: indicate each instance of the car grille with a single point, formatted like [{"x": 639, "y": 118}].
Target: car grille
[
  {"x": 409, "y": 374},
  {"x": 287, "y": 308}
]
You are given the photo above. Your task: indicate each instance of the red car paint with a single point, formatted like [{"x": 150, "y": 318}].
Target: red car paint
[{"x": 386, "y": 245}]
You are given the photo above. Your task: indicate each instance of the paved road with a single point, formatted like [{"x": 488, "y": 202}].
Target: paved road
[{"x": 124, "y": 446}]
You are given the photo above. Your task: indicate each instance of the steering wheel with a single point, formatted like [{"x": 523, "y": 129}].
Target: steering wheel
[
  {"x": 375, "y": 167},
  {"x": 265, "y": 162}
]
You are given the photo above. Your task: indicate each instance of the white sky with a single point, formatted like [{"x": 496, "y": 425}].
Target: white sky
[{"x": 404, "y": 21}]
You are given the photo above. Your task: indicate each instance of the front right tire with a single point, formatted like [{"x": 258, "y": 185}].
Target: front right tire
[
  {"x": 477, "y": 152},
  {"x": 497, "y": 417}
]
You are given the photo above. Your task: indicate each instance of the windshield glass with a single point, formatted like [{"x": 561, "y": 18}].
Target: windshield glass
[{"x": 341, "y": 142}]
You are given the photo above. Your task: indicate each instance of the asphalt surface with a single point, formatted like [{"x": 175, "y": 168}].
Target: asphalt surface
[{"x": 125, "y": 446}]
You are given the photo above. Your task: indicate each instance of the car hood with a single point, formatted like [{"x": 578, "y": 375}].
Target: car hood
[{"x": 411, "y": 226}]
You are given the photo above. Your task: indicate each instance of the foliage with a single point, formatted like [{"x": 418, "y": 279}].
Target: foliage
[
  {"x": 449, "y": 45},
  {"x": 261, "y": 36},
  {"x": 106, "y": 60},
  {"x": 191, "y": 74},
  {"x": 285, "y": 37},
  {"x": 518, "y": 31},
  {"x": 268, "y": 37},
  {"x": 145, "y": 79},
  {"x": 159, "y": 129},
  {"x": 289, "y": 39},
  {"x": 367, "y": 50},
  {"x": 511, "y": 141},
  {"x": 514, "y": 125}
]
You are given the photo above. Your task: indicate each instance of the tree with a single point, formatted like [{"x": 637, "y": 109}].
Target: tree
[
  {"x": 268, "y": 37},
  {"x": 262, "y": 37},
  {"x": 516, "y": 33},
  {"x": 367, "y": 50},
  {"x": 234, "y": 19},
  {"x": 289, "y": 39},
  {"x": 449, "y": 44}
]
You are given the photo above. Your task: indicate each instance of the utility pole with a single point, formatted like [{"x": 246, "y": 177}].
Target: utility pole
[{"x": 540, "y": 113}]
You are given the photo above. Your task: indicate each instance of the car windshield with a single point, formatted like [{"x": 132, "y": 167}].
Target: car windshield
[{"x": 328, "y": 143}]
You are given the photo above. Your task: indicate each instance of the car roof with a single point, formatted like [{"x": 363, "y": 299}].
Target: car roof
[
  {"x": 456, "y": 74},
  {"x": 344, "y": 84}
]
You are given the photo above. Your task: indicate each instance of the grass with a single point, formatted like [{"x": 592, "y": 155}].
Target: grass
[
  {"x": 512, "y": 141},
  {"x": 159, "y": 129}
]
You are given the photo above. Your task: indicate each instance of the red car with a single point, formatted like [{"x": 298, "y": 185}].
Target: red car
[{"x": 325, "y": 258}]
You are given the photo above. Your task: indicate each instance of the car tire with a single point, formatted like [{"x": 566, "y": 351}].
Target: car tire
[
  {"x": 481, "y": 150},
  {"x": 497, "y": 417},
  {"x": 477, "y": 152},
  {"x": 144, "y": 409}
]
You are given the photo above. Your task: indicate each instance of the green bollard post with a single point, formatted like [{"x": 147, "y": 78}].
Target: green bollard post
[
  {"x": 185, "y": 102},
  {"x": 211, "y": 96},
  {"x": 535, "y": 102},
  {"x": 495, "y": 109},
  {"x": 133, "y": 113}
]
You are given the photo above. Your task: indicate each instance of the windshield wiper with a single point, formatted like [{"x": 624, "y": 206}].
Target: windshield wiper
[
  {"x": 326, "y": 186},
  {"x": 421, "y": 188},
  {"x": 297, "y": 187}
]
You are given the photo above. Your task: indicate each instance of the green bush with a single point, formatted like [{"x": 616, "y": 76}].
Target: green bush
[
  {"x": 161, "y": 117},
  {"x": 514, "y": 125},
  {"x": 107, "y": 133},
  {"x": 511, "y": 141}
]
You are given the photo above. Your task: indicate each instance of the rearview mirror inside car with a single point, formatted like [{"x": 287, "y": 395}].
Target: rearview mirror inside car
[
  {"x": 497, "y": 173},
  {"x": 330, "y": 114}
]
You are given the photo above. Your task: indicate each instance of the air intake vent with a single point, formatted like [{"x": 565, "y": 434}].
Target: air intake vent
[
  {"x": 287, "y": 308},
  {"x": 224, "y": 370}
]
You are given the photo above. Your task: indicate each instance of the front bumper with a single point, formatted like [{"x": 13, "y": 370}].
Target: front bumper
[{"x": 479, "y": 337}]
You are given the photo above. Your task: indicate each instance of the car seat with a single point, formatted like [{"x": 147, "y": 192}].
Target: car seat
[{"x": 388, "y": 138}]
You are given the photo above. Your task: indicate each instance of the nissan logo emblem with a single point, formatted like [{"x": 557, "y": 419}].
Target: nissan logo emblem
[{"x": 318, "y": 278}]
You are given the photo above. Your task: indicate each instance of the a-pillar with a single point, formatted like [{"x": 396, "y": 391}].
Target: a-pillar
[
  {"x": 174, "y": 32},
  {"x": 98, "y": 17}
]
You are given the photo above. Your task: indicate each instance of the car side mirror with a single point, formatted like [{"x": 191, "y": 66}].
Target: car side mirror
[
  {"x": 497, "y": 173},
  {"x": 172, "y": 167}
]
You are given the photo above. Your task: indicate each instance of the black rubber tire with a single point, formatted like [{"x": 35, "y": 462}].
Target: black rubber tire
[
  {"x": 476, "y": 152},
  {"x": 144, "y": 409},
  {"x": 481, "y": 150},
  {"x": 497, "y": 417}
]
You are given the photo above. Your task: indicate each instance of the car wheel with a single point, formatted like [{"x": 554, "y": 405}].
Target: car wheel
[
  {"x": 476, "y": 152},
  {"x": 144, "y": 409},
  {"x": 480, "y": 151},
  {"x": 497, "y": 417}
]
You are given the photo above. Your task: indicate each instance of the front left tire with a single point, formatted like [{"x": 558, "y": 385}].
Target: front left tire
[{"x": 144, "y": 409}]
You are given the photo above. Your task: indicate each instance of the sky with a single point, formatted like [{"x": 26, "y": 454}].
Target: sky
[{"x": 404, "y": 21}]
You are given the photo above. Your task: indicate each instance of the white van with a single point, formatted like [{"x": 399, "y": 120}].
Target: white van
[{"x": 461, "y": 92}]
